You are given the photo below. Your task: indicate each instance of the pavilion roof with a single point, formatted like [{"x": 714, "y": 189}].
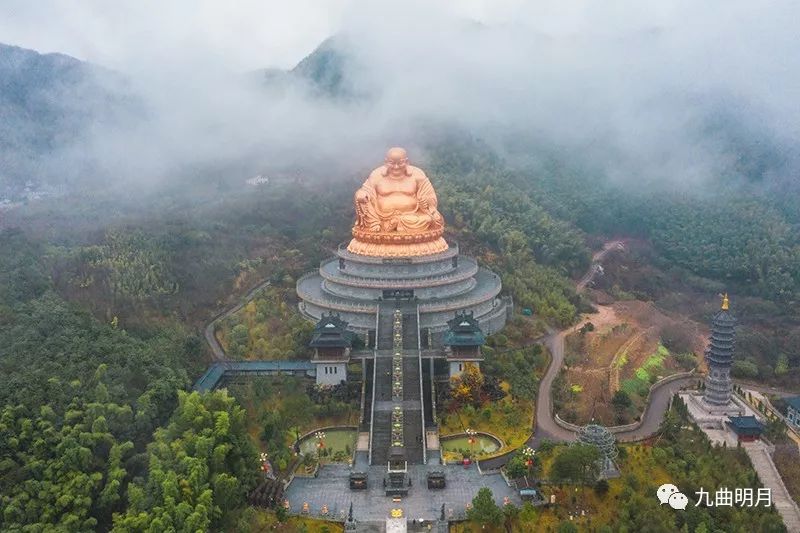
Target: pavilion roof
[
  {"x": 463, "y": 330},
  {"x": 745, "y": 424},
  {"x": 331, "y": 332}
]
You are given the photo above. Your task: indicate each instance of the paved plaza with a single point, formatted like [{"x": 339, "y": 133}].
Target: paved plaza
[
  {"x": 331, "y": 488},
  {"x": 711, "y": 419}
]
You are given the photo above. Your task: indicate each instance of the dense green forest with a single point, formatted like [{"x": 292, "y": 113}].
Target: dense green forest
[
  {"x": 686, "y": 245},
  {"x": 80, "y": 435},
  {"x": 534, "y": 252},
  {"x": 81, "y": 399},
  {"x": 725, "y": 230},
  {"x": 200, "y": 467}
]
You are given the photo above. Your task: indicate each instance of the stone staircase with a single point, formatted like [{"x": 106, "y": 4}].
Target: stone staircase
[
  {"x": 365, "y": 423},
  {"x": 412, "y": 434},
  {"x": 770, "y": 478},
  {"x": 381, "y": 436},
  {"x": 383, "y": 379},
  {"x": 427, "y": 391},
  {"x": 412, "y": 390},
  {"x": 384, "y": 332},
  {"x": 382, "y": 384},
  {"x": 381, "y": 426},
  {"x": 412, "y": 403},
  {"x": 410, "y": 327}
]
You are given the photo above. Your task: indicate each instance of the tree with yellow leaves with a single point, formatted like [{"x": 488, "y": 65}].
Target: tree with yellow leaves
[{"x": 467, "y": 387}]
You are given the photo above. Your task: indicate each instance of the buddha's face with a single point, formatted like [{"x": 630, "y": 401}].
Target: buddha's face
[{"x": 396, "y": 162}]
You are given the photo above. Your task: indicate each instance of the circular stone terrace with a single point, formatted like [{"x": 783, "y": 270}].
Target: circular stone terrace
[{"x": 441, "y": 284}]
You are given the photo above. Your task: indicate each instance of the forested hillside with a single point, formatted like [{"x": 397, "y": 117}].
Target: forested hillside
[
  {"x": 729, "y": 231},
  {"x": 82, "y": 402},
  {"x": 80, "y": 399},
  {"x": 49, "y": 105},
  {"x": 534, "y": 252}
]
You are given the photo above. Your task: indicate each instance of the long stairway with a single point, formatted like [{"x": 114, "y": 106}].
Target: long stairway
[
  {"x": 770, "y": 477},
  {"x": 365, "y": 423},
  {"x": 427, "y": 387},
  {"x": 381, "y": 407},
  {"x": 381, "y": 430},
  {"x": 412, "y": 389},
  {"x": 384, "y": 332},
  {"x": 411, "y": 402}
]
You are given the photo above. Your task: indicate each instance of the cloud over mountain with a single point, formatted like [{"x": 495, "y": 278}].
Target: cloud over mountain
[{"x": 679, "y": 93}]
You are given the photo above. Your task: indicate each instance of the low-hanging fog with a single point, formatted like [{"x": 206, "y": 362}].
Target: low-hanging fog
[{"x": 643, "y": 92}]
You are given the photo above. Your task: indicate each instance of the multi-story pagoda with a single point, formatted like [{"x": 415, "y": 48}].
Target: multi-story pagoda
[{"x": 719, "y": 357}]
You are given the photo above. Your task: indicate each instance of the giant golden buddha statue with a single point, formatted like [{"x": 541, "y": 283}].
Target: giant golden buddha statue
[{"x": 396, "y": 212}]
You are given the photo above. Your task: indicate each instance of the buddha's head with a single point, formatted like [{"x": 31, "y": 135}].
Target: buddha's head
[{"x": 396, "y": 163}]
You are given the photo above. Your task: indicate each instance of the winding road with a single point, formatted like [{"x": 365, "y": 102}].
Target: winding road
[
  {"x": 217, "y": 353},
  {"x": 545, "y": 426}
]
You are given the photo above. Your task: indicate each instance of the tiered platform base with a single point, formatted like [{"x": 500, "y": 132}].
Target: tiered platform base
[{"x": 441, "y": 284}]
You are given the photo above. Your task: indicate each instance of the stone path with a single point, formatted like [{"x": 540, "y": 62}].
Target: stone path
[
  {"x": 770, "y": 478},
  {"x": 217, "y": 353},
  {"x": 362, "y": 445},
  {"x": 432, "y": 440}
]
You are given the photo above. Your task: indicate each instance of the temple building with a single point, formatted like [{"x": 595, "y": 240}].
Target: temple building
[
  {"x": 719, "y": 357},
  {"x": 332, "y": 343},
  {"x": 746, "y": 428},
  {"x": 462, "y": 343}
]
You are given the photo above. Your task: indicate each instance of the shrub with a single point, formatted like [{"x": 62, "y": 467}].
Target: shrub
[{"x": 744, "y": 369}]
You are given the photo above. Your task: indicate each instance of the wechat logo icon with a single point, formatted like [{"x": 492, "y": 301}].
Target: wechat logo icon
[{"x": 669, "y": 494}]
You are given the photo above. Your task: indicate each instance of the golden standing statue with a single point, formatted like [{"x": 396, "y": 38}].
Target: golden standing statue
[{"x": 396, "y": 212}]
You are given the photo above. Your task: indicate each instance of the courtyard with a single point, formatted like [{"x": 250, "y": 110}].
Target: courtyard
[{"x": 330, "y": 488}]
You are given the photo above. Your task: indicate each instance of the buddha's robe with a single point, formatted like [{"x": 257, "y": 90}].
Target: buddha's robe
[{"x": 406, "y": 204}]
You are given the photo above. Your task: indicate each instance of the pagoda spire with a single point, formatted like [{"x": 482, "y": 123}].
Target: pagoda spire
[{"x": 719, "y": 356}]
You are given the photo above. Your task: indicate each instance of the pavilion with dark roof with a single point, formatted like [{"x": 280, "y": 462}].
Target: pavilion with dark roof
[
  {"x": 747, "y": 428},
  {"x": 462, "y": 342},
  {"x": 332, "y": 343}
]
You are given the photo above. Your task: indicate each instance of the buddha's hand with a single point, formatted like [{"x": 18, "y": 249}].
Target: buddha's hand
[{"x": 361, "y": 196}]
